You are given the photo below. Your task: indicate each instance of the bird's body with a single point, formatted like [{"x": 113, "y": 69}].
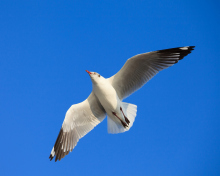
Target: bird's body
[
  {"x": 107, "y": 98},
  {"x": 106, "y": 94}
]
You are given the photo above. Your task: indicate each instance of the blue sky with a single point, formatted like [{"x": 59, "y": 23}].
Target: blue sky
[{"x": 45, "y": 48}]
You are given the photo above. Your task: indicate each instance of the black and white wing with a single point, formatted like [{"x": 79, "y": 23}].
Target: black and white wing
[
  {"x": 141, "y": 68},
  {"x": 79, "y": 120}
]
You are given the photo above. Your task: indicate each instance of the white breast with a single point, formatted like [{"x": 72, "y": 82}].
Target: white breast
[{"x": 106, "y": 95}]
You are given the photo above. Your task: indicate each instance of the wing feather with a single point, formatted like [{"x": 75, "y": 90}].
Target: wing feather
[
  {"x": 141, "y": 68},
  {"x": 79, "y": 120}
]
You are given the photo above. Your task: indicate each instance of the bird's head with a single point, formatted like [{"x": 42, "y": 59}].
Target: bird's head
[{"x": 95, "y": 77}]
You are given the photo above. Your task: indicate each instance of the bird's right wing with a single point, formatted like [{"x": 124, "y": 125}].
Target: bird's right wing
[
  {"x": 79, "y": 120},
  {"x": 142, "y": 67}
]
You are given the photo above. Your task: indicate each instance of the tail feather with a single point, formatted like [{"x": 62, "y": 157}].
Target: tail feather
[{"x": 130, "y": 111}]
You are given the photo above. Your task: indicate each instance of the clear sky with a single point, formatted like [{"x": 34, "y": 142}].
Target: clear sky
[{"x": 45, "y": 48}]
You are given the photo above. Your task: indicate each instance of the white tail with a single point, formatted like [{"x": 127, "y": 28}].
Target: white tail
[{"x": 130, "y": 111}]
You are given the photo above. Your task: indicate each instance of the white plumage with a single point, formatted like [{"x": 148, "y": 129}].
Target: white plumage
[{"x": 107, "y": 95}]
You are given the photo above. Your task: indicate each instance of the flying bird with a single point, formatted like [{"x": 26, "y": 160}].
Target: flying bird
[{"x": 107, "y": 95}]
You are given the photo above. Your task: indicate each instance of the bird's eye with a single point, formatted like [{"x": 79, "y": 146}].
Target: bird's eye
[{"x": 98, "y": 75}]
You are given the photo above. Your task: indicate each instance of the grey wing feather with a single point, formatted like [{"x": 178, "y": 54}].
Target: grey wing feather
[
  {"x": 79, "y": 120},
  {"x": 141, "y": 68}
]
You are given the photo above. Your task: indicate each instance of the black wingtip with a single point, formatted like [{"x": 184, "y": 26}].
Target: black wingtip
[
  {"x": 50, "y": 157},
  {"x": 190, "y": 48},
  {"x": 185, "y": 51},
  {"x": 57, "y": 151},
  {"x": 182, "y": 51},
  {"x": 57, "y": 146}
]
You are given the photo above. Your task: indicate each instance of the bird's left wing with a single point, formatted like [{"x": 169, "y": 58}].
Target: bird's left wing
[
  {"x": 142, "y": 67},
  {"x": 79, "y": 120}
]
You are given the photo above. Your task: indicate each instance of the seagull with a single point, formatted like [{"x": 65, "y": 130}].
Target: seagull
[{"x": 107, "y": 95}]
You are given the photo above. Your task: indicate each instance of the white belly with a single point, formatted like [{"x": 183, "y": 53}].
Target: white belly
[{"x": 107, "y": 97}]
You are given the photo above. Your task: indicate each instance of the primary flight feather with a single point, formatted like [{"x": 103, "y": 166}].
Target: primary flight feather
[{"x": 107, "y": 95}]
